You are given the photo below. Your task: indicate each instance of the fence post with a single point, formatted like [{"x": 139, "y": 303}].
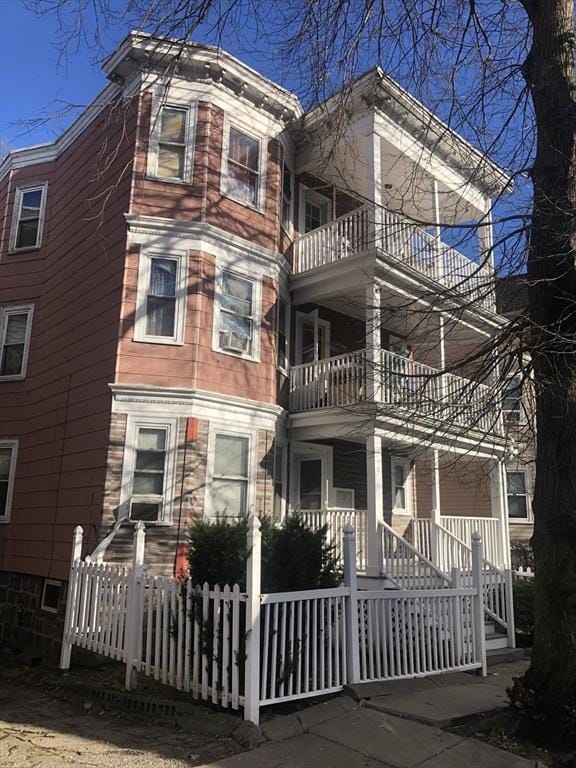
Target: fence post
[
  {"x": 478, "y": 584},
  {"x": 71, "y": 598},
  {"x": 133, "y": 615},
  {"x": 253, "y": 587},
  {"x": 350, "y": 581},
  {"x": 457, "y": 616},
  {"x": 509, "y": 587}
]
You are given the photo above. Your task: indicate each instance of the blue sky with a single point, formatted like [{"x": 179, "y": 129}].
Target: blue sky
[{"x": 33, "y": 83}]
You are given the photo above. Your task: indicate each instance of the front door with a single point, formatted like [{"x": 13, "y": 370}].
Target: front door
[{"x": 310, "y": 473}]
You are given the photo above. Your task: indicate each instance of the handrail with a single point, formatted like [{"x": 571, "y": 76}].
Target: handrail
[{"x": 411, "y": 568}]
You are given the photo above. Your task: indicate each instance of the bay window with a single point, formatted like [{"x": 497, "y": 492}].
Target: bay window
[
  {"x": 171, "y": 144},
  {"x": 230, "y": 476},
  {"x": 236, "y": 314},
  {"x": 161, "y": 299},
  {"x": 241, "y": 174}
]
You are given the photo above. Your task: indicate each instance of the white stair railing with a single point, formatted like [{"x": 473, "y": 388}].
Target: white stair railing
[
  {"x": 335, "y": 518},
  {"x": 405, "y": 566}
]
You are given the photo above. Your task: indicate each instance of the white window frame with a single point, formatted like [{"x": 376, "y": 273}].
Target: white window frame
[
  {"x": 528, "y": 495},
  {"x": 262, "y": 151},
  {"x": 5, "y": 313},
  {"x": 17, "y": 211},
  {"x": 402, "y": 461},
  {"x": 301, "y": 318},
  {"x": 284, "y": 299},
  {"x": 144, "y": 273},
  {"x": 189, "y": 141},
  {"x": 134, "y": 423},
  {"x": 311, "y": 451},
  {"x": 13, "y": 444},
  {"x": 516, "y": 414},
  {"x": 316, "y": 198},
  {"x": 214, "y": 431},
  {"x": 52, "y": 583},
  {"x": 254, "y": 354},
  {"x": 351, "y": 495}
]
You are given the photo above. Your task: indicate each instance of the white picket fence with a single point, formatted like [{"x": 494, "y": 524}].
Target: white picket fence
[
  {"x": 248, "y": 649},
  {"x": 524, "y": 573}
]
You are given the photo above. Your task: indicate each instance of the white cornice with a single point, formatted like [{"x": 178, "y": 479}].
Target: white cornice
[
  {"x": 178, "y": 401},
  {"x": 196, "y": 235},
  {"x": 45, "y": 153},
  {"x": 141, "y": 51}
]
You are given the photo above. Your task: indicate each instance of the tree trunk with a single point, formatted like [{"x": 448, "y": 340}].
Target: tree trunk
[{"x": 549, "y": 73}]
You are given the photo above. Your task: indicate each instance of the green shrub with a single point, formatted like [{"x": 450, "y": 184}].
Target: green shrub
[
  {"x": 524, "y": 607},
  {"x": 294, "y": 557}
]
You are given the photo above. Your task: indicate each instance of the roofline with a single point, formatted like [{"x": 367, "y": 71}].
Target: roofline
[{"x": 375, "y": 82}]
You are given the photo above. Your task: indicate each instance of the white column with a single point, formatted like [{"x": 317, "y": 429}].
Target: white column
[
  {"x": 499, "y": 506},
  {"x": 436, "y": 513},
  {"x": 71, "y": 598},
  {"x": 375, "y": 512},
  {"x": 373, "y": 343},
  {"x": 352, "y": 649},
  {"x": 439, "y": 266},
  {"x": 374, "y": 162},
  {"x": 485, "y": 235},
  {"x": 134, "y": 608}
]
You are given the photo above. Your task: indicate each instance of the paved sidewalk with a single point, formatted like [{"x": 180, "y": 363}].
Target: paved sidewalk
[{"x": 344, "y": 733}]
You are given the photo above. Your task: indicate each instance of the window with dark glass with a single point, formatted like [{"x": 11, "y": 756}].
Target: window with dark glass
[
  {"x": 517, "y": 496},
  {"x": 161, "y": 299},
  {"x": 512, "y": 394},
  {"x": 242, "y": 177},
  {"x": 14, "y": 340},
  {"x": 29, "y": 212},
  {"x": 6, "y": 477}
]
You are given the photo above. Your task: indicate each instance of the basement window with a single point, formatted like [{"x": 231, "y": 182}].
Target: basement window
[{"x": 51, "y": 595}]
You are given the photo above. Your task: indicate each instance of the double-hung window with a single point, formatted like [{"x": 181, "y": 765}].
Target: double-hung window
[
  {"x": 518, "y": 507},
  {"x": 150, "y": 473},
  {"x": 171, "y": 144},
  {"x": 401, "y": 502},
  {"x": 230, "y": 476},
  {"x": 8, "y": 449},
  {"x": 161, "y": 299},
  {"x": 28, "y": 221},
  {"x": 236, "y": 322},
  {"x": 512, "y": 395},
  {"x": 241, "y": 177},
  {"x": 15, "y": 328}
]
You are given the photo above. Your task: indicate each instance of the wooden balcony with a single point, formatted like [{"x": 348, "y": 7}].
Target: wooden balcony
[
  {"x": 394, "y": 382},
  {"x": 365, "y": 228}
]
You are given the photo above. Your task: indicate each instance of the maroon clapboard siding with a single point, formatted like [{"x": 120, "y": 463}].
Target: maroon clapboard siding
[{"x": 61, "y": 411}]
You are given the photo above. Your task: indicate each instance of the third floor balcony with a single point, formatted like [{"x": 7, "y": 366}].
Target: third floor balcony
[{"x": 378, "y": 232}]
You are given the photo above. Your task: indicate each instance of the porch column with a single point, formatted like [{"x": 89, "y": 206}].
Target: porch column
[
  {"x": 375, "y": 511},
  {"x": 374, "y": 161},
  {"x": 373, "y": 343},
  {"x": 439, "y": 266},
  {"x": 499, "y": 506},
  {"x": 485, "y": 235},
  {"x": 436, "y": 513}
]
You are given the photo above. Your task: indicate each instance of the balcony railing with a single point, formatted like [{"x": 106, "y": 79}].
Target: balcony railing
[
  {"x": 367, "y": 227},
  {"x": 392, "y": 380}
]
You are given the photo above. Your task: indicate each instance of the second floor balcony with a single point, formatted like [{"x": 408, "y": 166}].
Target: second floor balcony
[
  {"x": 394, "y": 384},
  {"x": 391, "y": 235}
]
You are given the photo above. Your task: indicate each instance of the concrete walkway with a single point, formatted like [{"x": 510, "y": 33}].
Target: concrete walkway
[{"x": 394, "y": 725}]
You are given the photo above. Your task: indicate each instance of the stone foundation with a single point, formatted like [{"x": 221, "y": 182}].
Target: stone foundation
[{"x": 24, "y": 625}]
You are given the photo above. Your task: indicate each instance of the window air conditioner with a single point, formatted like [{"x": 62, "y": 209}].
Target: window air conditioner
[{"x": 235, "y": 342}]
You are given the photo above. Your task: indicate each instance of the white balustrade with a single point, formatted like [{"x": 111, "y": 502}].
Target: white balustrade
[
  {"x": 357, "y": 231},
  {"x": 335, "y": 518},
  {"x": 405, "y": 566},
  {"x": 341, "y": 381},
  {"x": 488, "y": 527}
]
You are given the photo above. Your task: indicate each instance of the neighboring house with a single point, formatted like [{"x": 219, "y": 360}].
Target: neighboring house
[
  {"x": 512, "y": 302},
  {"x": 198, "y": 316}
]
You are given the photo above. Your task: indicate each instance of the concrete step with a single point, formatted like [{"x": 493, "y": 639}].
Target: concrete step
[
  {"x": 505, "y": 655},
  {"x": 495, "y": 641}
]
